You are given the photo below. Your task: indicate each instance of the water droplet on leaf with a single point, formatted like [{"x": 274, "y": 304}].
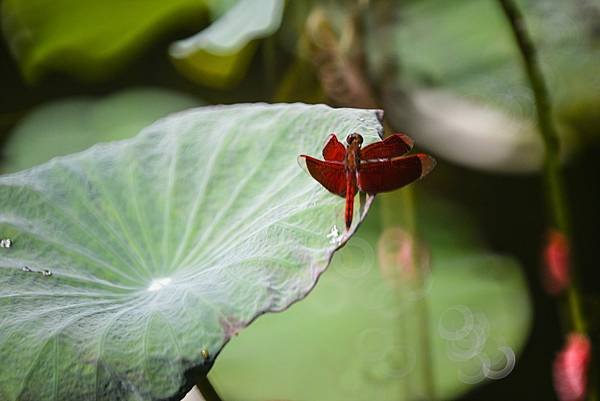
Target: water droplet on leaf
[{"x": 334, "y": 235}]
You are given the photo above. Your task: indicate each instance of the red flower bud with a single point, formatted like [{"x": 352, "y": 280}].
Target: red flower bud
[
  {"x": 571, "y": 367},
  {"x": 556, "y": 268}
]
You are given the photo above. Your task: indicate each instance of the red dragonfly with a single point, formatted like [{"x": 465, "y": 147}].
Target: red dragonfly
[{"x": 378, "y": 167}]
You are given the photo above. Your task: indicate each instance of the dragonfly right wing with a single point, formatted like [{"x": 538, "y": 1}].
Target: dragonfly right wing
[
  {"x": 330, "y": 174},
  {"x": 393, "y": 146},
  {"x": 390, "y": 174}
]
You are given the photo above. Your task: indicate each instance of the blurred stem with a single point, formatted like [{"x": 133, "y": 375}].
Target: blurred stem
[
  {"x": 548, "y": 132},
  {"x": 398, "y": 209},
  {"x": 555, "y": 190},
  {"x": 422, "y": 305},
  {"x": 207, "y": 390}
]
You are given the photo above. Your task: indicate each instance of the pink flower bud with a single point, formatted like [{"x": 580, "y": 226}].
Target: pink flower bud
[
  {"x": 570, "y": 368},
  {"x": 556, "y": 268}
]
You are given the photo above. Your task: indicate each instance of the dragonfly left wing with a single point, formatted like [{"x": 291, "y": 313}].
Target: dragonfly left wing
[
  {"x": 330, "y": 174},
  {"x": 334, "y": 150}
]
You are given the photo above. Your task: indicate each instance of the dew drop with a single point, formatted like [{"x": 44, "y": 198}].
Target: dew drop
[
  {"x": 361, "y": 119},
  {"x": 46, "y": 272},
  {"x": 334, "y": 235},
  {"x": 205, "y": 354},
  {"x": 6, "y": 243}
]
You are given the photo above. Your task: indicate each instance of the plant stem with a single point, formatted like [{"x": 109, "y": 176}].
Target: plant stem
[
  {"x": 398, "y": 209},
  {"x": 422, "y": 304},
  {"x": 555, "y": 192},
  {"x": 207, "y": 390}
]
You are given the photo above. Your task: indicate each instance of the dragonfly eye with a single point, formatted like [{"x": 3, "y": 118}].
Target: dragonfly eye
[{"x": 354, "y": 138}]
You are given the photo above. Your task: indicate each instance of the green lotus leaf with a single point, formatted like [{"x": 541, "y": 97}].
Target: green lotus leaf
[
  {"x": 219, "y": 55},
  {"x": 133, "y": 263},
  {"x": 89, "y": 39},
  {"x": 74, "y": 124},
  {"x": 359, "y": 338}
]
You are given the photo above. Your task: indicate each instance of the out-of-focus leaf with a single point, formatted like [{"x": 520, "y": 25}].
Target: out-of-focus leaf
[
  {"x": 70, "y": 125},
  {"x": 466, "y": 48},
  {"x": 346, "y": 341},
  {"x": 134, "y": 262},
  {"x": 218, "y": 55},
  {"x": 88, "y": 39},
  {"x": 468, "y": 132}
]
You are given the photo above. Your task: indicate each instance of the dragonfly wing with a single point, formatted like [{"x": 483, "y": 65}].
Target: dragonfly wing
[
  {"x": 330, "y": 174},
  {"x": 387, "y": 175},
  {"x": 392, "y": 146},
  {"x": 334, "y": 150}
]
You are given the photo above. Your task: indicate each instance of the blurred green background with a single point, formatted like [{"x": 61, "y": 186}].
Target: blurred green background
[{"x": 447, "y": 73}]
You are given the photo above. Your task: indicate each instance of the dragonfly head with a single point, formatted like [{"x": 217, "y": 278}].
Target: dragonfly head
[{"x": 350, "y": 139}]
